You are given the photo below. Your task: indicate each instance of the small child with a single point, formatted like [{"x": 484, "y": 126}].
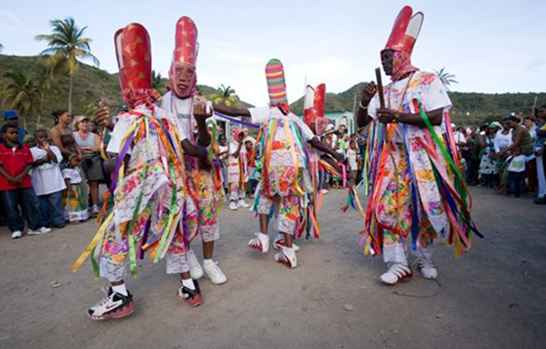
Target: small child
[
  {"x": 76, "y": 203},
  {"x": 352, "y": 161},
  {"x": 16, "y": 186},
  {"x": 516, "y": 172},
  {"x": 47, "y": 179}
]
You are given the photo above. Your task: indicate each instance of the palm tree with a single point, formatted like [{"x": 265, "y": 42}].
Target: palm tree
[
  {"x": 446, "y": 78},
  {"x": 20, "y": 93},
  {"x": 44, "y": 80},
  {"x": 66, "y": 46},
  {"x": 225, "y": 95}
]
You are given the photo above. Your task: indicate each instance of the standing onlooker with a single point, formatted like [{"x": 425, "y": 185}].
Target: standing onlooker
[
  {"x": 352, "y": 161},
  {"x": 251, "y": 166},
  {"x": 89, "y": 145},
  {"x": 47, "y": 180},
  {"x": 222, "y": 156},
  {"x": 488, "y": 163},
  {"x": 531, "y": 168},
  {"x": 11, "y": 118},
  {"x": 16, "y": 185},
  {"x": 76, "y": 203},
  {"x": 63, "y": 122},
  {"x": 539, "y": 152},
  {"x": 236, "y": 173},
  {"x": 516, "y": 172}
]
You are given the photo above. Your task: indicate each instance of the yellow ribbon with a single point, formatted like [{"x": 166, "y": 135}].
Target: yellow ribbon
[{"x": 89, "y": 248}]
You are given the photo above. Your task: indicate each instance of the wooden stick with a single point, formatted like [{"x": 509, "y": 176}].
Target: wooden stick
[{"x": 380, "y": 88}]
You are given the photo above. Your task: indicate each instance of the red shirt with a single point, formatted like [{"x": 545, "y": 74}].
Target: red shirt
[{"x": 14, "y": 161}]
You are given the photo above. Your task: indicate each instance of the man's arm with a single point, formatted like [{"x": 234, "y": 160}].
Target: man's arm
[
  {"x": 317, "y": 144},
  {"x": 232, "y": 111}
]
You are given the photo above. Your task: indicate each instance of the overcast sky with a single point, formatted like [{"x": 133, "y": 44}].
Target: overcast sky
[{"x": 491, "y": 46}]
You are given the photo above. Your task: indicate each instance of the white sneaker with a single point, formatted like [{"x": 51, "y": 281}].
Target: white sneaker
[
  {"x": 260, "y": 243},
  {"x": 324, "y": 191},
  {"x": 95, "y": 210},
  {"x": 287, "y": 256},
  {"x": 242, "y": 203},
  {"x": 45, "y": 230},
  {"x": 214, "y": 273},
  {"x": 16, "y": 234},
  {"x": 233, "y": 206},
  {"x": 196, "y": 271},
  {"x": 427, "y": 268},
  {"x": 396, "y": 273}
]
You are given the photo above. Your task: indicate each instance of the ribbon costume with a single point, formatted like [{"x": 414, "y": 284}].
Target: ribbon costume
[
  {"x": 203, "y": 174},
  {"x": 417, "y": 191},
  {"x": 285, "y": 181},
  {"x": 148, "y": 183}
]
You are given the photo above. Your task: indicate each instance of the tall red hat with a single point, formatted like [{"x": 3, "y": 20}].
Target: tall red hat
[
  {"x": 186, "y": 46},
  {"x": 405, "y": 30},
  {"x": 133, "y": 52}
]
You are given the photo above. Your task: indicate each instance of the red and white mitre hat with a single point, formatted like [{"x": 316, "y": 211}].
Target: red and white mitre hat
[
  {"x": 405, "y": 30},
  {"x": 186, "y": 46},
  {"x": 133, "y": 52}
]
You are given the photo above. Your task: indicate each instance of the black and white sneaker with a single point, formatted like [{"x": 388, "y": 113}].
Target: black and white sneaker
[
  {"x": 113, "y": 306},
  {"x": 192, "y": 297}
]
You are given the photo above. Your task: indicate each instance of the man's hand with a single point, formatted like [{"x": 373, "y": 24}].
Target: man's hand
[
  {"x": 103, "y": 118},
  {"x": 200, "y": 108},
  {"x": 367, "y": 93},
  {"x": 386, "y": 115}
]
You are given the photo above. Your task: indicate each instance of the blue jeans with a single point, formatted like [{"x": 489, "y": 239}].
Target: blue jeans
[
  {"x": 26, "y": 199},
  {"x": 51, "y": 208}
]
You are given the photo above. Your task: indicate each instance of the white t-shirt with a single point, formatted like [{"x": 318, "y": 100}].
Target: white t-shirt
[
  {"x": 47, "y": 178},
  {"x": 183, "y": 110},
  {"x": 502, "y": 141},
  {"x": 351, "y": 157},
  {"x": 282, "y": 155},
  {"x": 399, "y": 95},
  {"x": 126, "y": 119}
]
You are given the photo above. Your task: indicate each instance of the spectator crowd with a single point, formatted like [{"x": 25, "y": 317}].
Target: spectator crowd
[{"x": 55, "y": 177}]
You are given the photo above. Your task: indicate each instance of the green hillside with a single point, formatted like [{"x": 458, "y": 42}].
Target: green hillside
[
  {"x": 469, "y": 108},
  {"x": 90, "y": 85}
]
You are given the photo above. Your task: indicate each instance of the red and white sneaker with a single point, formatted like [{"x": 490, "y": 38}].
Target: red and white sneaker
[
  {"x": 279, "y": 243},
  {"x": 113, "y": 306},
  {"x": 286, "y": 257},
  {"x": 192, "y": 297},
  {"x": 396, "y": 273},
  {"x": 260, "y": 243}
]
